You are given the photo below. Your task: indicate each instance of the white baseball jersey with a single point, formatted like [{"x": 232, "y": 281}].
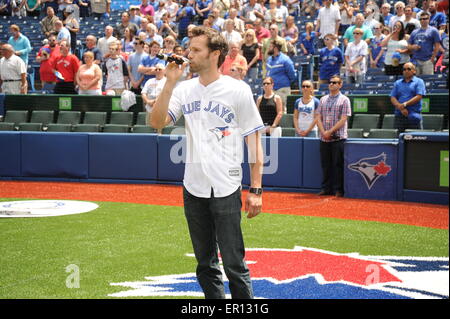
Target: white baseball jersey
[{"x": 217, "y": 118}]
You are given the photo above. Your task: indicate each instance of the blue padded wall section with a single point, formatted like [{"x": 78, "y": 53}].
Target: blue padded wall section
[
  {"x": 52, "y": 154},
  {"x": 122, "y": 156},
  {"x": 312, "y": 170},
  {"x": 282, "y": 162},
  {"x": 171, "y": 157},
  {"x": 10, "y": 154}
]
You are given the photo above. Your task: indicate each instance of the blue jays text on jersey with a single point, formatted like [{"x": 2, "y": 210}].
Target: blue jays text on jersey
[{"x": 212, "y": 107}]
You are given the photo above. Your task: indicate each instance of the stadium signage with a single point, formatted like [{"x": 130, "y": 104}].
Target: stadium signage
[{"x": 44, "y": 208}]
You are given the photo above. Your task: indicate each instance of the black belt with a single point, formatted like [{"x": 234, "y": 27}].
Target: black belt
[{"x": 12, "y": 80}]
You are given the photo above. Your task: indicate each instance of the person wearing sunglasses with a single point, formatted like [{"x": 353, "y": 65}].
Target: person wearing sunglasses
[
  {"x": 355, "y": 58},
  {"x": 331, "y": 117},
  {"x": 406, "y": 97},
  {"x": 425, "y": 45},
  {"x": 133, "y": 62},
  {"x": 270, "y": 107},
  {"x": 304, "y": 108},
  {"x": 330, "y": 59}
]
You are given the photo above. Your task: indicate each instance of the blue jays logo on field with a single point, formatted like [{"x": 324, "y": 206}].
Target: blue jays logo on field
[
  {"x": 371, "y": 168},
  {"x": 308, "y": 273}
]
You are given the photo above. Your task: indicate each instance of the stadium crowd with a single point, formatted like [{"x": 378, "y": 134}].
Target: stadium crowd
[{"x": 264, "y": 37}]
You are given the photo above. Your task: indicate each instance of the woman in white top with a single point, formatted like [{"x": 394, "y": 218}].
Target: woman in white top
[
  {"x": 396, "y": 42},
  {"x": 356, "y": 58},
  {"x": 304, "y": 119}
]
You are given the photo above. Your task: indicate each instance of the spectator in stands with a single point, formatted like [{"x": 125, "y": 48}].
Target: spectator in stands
[
  {"x": 304, "y": 111},
  {"x": 230, "y": 34},
  {"x": 307, "y": 40},
  {"x": 17, "y": 9},
  {"x": 251, "y": 11},
  {"x": 346, "y": 8},
  {"x": 159, "y": 13},
  {"x": 217, "y": 21},
  {"x": 143, "y": 26},
  {"x": 166, "y": 28},
  {"x": 62, "y": 33},
  {"x": 232, "y": 57},
  {"x": 186, "y": 40},
  {"x": 410, "y": 22},
  {"x": 147, "y": 66},
  {"x": 33, "y": 7},
  {"x": 265, "y": 47},
  {"x": 356, "y": 58},
  {"x": 172, "y": 7},
  {"x": 289, "y": 32},
  {"x": 146, "y": 9},
  {"x": 134, "y": 15},
  {"x": 85, "y": 6},
  {"x": 169, "y": 45},
  {"x": 5, "y": 8},
  {"x": 20, "y": 43},
  {"x": 185, "y": 16},
  {"x": 237, "y": 72},
  {"x": 424, "y": 43},
  {"x": 396, "y": 50},
  {"x": 178, "y": 50},
  {"x": 273, "y": 14},
  {"x": 293, "y": 7},
  {"x": 369, "y": 20},
  {"x": 239, "y": 24},
  {"x": 119, "y": 30},
  {"x": 91, "y": 46},
  {"x": 376, "y": 51},
  {"x": 104, "y": 42},
  {"x": 71, "y": 24},
  {"x": 250, "y": 50},
  {"x": 67, "y": 65},
  {"x": 328, "y": 21},
  {"x": 13, "y": 72},
  {"x": 406, "y": 97},
  {"x": 359, "y": 23},
  {"x": 48, "y": 23},
  {"x": 413, "y": 5},
  {"x": 134, "y": 60},
  {"x": 437, "y": 19},
  {"x": 127, "y": 41},
  {"x": 331, "y": 115},
  {"x": 330, "y": 59},
  {"x": 46, "y": 55},
  {"x": 116, "y": 71},
  {"x": 101, "y": 8},
  {"x": 153, "y": 88},
  {"x": 386, "y": 15},
  {"x": 224, "y": 5},
  {"x": 153, "y": 35},
  {"x": 89, "y": 76},
  {"x": 203, "y": 7},
  {"x": 400, "y": 14},
  {"x": 281, "y": 69},
  {"x": 270, "y": 106},
  {"x": 260, "y": 31}
]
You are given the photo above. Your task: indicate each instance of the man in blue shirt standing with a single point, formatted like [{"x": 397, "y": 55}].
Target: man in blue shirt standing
[
  {"x": 437, "y": 19},
  {"x": 20, "y": 43},
  {"x": 406, "y": 97},
  {"x": 425, "y": 45},
  {"x": 281, "y": 69}
]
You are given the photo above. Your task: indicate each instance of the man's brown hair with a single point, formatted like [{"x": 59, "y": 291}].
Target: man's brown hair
[{"x": 215, "y": 41}]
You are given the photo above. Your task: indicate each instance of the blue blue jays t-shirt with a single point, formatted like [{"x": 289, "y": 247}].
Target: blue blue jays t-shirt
[
  {"x": 426, "y": 38},
  {"x": 438, "y": 19},
  {"x": 404, "y": 91},
  {"x": 330, "y": 62},
  {"x": 149, "y": 61},
  {"x": 308, "y": 44}
]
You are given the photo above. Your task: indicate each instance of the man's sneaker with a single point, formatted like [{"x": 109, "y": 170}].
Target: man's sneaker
[{"x": 324, "y": 192}]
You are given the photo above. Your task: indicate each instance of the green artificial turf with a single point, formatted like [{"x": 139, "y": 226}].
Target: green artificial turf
[{"x": 126, "y": 242}]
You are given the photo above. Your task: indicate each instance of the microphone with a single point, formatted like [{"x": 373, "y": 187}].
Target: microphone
[{"x": 171, "y": 58}]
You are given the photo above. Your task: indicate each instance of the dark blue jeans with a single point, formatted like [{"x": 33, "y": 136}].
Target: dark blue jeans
[
  {"x": 215, "y": 223},
  {"x": 332, "y": 161}
]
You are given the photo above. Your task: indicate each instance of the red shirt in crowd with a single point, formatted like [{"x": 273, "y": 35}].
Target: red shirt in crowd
[
  {"x": 67, "y": 65},
  {"x": 46, "y": 67}
]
